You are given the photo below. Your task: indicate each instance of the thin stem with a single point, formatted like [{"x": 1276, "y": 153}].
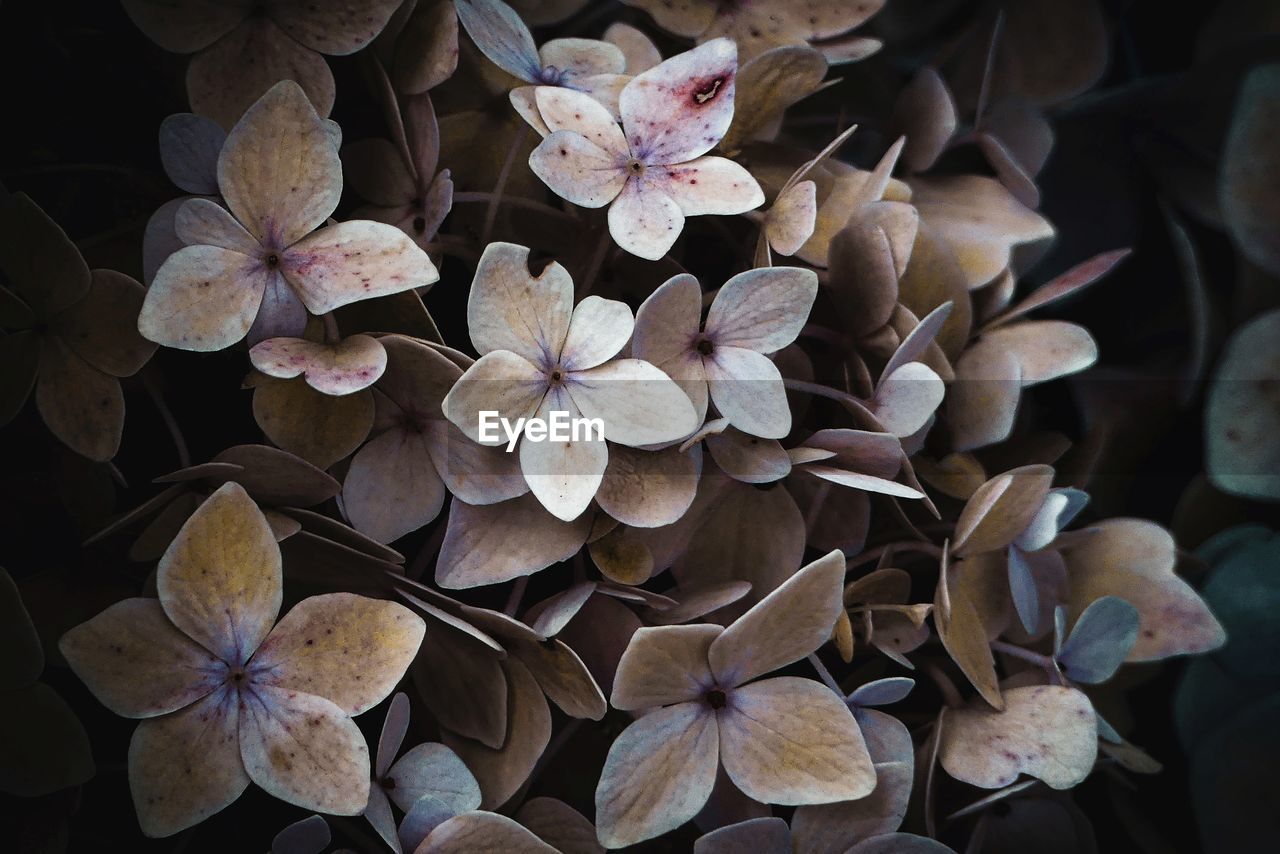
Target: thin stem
[
  {"x": 491, "y": 215},
  {"x": 170, "y": 423},
  {"x": 945, "y": 686},
  {"x": 904, "y": 545},
  {"x": 825, "y": 674},
  {"x": 331, "y": 333},
  {"x": 517, "y": 593},
  {"x": 1025, "y": 654}
]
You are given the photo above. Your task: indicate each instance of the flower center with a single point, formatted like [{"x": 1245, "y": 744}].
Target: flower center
[
  {"x": 237, "y": 677},
  {"x": 705, "y": 347},
  {"x": 273, "y": 260},
  {"x": 556, "y": 376},
  {"x": 716, "y": 698},
  {"x": 635, "y": 167}
]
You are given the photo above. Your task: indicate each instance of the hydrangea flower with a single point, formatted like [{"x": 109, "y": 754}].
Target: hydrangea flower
[
  {"x": 652, "y": 170},
  {"x": 259, "y": 268},
  {"x": 784, "y": 740},
  {"x": 754, "y": 313},
  {"x": 224, "y": 698},
  {"x": 539, "y": 355}
]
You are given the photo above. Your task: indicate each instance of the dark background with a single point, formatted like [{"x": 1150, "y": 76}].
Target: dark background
[{"x": 81, "y": 98}]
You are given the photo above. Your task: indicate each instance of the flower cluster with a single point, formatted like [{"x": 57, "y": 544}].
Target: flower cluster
[{"x": 841, "y": 570}]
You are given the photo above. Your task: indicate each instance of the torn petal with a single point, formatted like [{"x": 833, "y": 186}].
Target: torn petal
[{"x": 511, "y": 309}]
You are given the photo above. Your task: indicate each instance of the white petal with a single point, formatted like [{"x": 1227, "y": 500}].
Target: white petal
[
  {"x": 510, "y": 309},
  {"x": 566, "y": 109},
  {"x": 762, "y": 310},
  {"x": 500, "y": 382},
  {"x": 645, "y": 221},
  {"x": 598, "y": 329},
  {"x": 577, "y": 170},
  {"x": 708, "y": 185},
  {"x": 639, "y": 404},
  {"x": 681, "y": 108},
  {"x": 747, "y": 389},
  {"x": 563, "y": 476}
]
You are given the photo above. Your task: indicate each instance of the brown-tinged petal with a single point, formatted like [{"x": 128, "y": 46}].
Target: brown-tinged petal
[
  {"x": 304, "y": 750},
  {"x": 682, "y": 107},
  {"x": 667, "y": 321},
  {"x": 559, "y": 825},
  {"x": 273, "y": 476},
  {"x": 186, "y": 27},
  {"x": 658, "y": 774},
  {"x": 189, "y": 146},
  {"x": 598, "y": 329},
  {"x": 562, "y": 676},
  {"x": 980, "y": 219},
  {"x": 749, "y": 458},
  {"x": 638, "y": 49},
  {"x": 707, "y": 185},
  {"x": 320, "y": 428},
  {"x": 793, "y": 741},
  {"x": 1001, "y": 509},
  {"x": 785, "y": 626},
  {"x": 647, "y": 489},
  {"x": 926, "y": 115},
  {"x": 392, "y": 486},
  {"x": 827, "y": 828},
  {"x": 510, "y": 309},
  {"x": 501, "y": 772},
  {"x": 427, "y": 49},
  {"x": 768, "y": 85},
  {"x": 20, "y": 353},
  {"x": 333, "y": 27},
  {"x": 766, "y": 835},
  {"x": 102, "y": 328},
  {"x": 983, "y": 400},
  {"x": 747, "y": 389},
  {"x": 645, "y": 221},
  {"x": 907, "y": 398},
  {"x": 279, "y": 170},
  {"x": 482, "y": 831},
  {"x": 219, "y": 581},
  {"x": 963, "y": 635},
  {"x": 762, "y": 310},
  {"x": 186, "y": 766},
  {"x": 1134, "y": 559},
  {"x": 435, "y": 770},
  {"x": 224, "y": 81},
  {"x": 336, "y": 369},
  {"x": 349, "y": 649},
  {"x": 137, "y": 664},
  {"x": 203, "y": 298},
  {"x": 1047, "y": 731},
  {"x": 664, "y": 665},
  {"x": 498, "y": 542},
  {"x": 791, "y": 219},
  {"x": 461, "y": 682},
  {"x": 352, "y": 261},
  {"x": 80, "y": 405},
  {"x": 638, "y": 403}
]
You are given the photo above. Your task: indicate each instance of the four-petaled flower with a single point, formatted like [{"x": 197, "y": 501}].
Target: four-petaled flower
[
  {"x": 540, "y": 355},
  {"x": 784, "y": 740},
  {"x": 260, "y": 265},
  {"x": 225, "y": 698},
  {"x": 756, "y": 312},
  {"x": 653, "y": 170}
]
